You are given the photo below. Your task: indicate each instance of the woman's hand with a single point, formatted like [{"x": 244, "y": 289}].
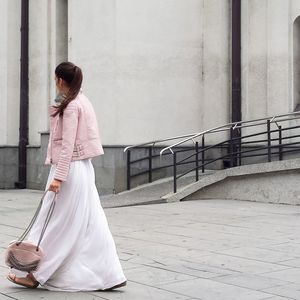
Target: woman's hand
[{"x": 55, "y": 186}]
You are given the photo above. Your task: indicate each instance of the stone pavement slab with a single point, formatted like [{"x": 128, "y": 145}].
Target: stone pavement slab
[
  {"x": 209, "y": 289},
  {"x": 290, "y": 291},
  {"x": 206, "y": 249}
]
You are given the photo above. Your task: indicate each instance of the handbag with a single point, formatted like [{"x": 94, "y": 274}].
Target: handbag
[{"x": 25, "y": 255}]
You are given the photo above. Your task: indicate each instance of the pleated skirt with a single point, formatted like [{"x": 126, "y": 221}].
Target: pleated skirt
[{"x": 80, "y": 252}]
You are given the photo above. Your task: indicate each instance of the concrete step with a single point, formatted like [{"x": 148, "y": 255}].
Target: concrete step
[
  {"x": 272, "y": 182},
  {"x": 148, "y": 193}
]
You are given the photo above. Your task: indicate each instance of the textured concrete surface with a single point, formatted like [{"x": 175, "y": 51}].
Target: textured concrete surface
[
  {"x": 209, "y": 250},
  {"x": 148, "y": 193},
  {"x": 8, "y": 166},
  {"x": 257, "y": 182}
]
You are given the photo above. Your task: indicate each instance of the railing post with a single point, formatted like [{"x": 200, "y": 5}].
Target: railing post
[
  {"x": 231, "y": 148},
  {"x": 174, "y": 172},
  {"x": 280, "y": 142},
  {"x": 269, "y": 140},
  {"x": 203, "y": 154},
  {"x": 150, "y": 164},
  {"x": 240, "y": 148},
  {"x": 197, "y": 160},
  {"x": 128, "y": 170}
]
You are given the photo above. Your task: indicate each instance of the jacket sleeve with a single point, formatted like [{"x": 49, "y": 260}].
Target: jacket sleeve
[
  {"x": 47, "y": 161},
  {"x": 69, "y": 131}
]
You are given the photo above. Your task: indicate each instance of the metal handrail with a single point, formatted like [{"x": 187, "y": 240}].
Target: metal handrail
[
  {"x": 216, "y": 129},
  {"x": 236, "y": 125},
  {"x": 158, "y": 141},
  {"x": 233, "y": 145}
]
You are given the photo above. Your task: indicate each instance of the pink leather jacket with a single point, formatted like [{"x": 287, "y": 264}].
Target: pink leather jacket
[{"x": 72, "y": 137}]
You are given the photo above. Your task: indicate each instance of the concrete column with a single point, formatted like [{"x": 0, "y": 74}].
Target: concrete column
[
  {"x": 13, "y": 48},
  {"x": 42, "y": 45},
  {"x": 215, "y": 103},
  {"x": 61, "y": 31},
  {"x": 278, "y": 57},
  {"x": 254, "y": 59},
  {"x": 3, "y": 72},
  {"x": 294, "y": 62}
]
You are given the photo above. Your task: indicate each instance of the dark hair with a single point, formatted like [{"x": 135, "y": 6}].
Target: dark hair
[{"x": 72, "y": 75}]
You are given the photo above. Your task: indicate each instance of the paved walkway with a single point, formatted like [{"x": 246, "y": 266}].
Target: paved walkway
[{"x": 208, "y": 249}]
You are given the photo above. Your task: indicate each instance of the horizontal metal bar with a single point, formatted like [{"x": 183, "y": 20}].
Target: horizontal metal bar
[
  {"x": 184, "y": 150},
  {"x": 209, "y": 161},
  {"x": 273, "y": 153},
  {"x": 139, "y": 160},
  {"x": 273, "y": 139},
  {"x": 252, "y": 155},
  {"x": 292, "y": 150},
  {"x": 244, "y": 156},
  {"x": 153, "y": 170},
  {"x": 162, "y": 167},
  {"x": 265, "y": 147},
  {"x": 233, "y": 124},
  {"x": 184, "y": 159},
  {"x": 257, "y": 149},
  {"x": 238, "y": 152},
  {"x": 287, "y": 144},
  {"x": 187, "y": 172}
]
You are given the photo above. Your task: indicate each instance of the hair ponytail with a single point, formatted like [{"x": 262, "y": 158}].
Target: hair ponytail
[{"x": 72, "y": 75}]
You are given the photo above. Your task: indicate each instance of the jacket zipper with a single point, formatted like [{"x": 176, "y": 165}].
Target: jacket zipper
[
  {"x": 51, "y": 140},
  {"x": 51, "y": 149}
]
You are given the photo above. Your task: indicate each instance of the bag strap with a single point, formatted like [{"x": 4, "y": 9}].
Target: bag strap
[{"x": 47, "y": 220}]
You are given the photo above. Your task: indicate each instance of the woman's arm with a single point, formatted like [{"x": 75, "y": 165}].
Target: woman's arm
[{"x": 69, "y": 131}]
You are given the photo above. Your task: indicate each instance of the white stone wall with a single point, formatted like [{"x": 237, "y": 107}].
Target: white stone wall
[{"x": 152, "y": 69}]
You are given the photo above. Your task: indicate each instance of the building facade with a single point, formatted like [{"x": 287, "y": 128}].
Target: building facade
[{"x": 152, "y": 69}]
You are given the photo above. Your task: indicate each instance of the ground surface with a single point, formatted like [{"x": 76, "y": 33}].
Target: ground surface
[{"x": 205, "y": 249}]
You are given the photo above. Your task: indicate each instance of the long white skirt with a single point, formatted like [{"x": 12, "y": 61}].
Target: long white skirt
[{"x": 80, "y": 253}]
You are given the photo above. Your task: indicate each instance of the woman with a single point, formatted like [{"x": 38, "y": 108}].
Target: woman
[{"x": 80, "y": 253}]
